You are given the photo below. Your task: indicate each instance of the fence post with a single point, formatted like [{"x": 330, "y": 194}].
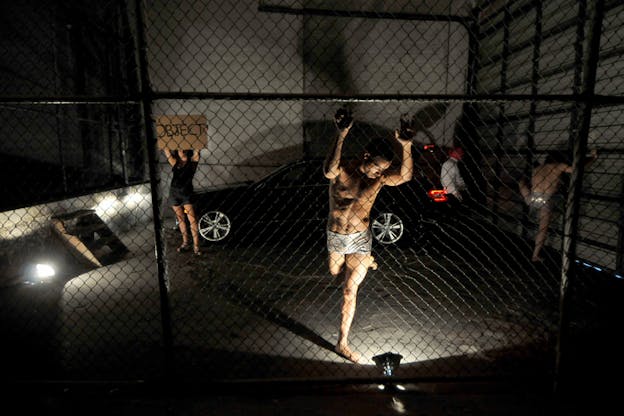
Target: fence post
[
  {"x": 146, "y": 101},
  {"x": 570, "y": 230}
]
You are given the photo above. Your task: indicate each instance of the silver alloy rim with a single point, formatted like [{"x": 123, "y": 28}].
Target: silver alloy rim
[
  {"x": 214, "y": 226},
  {"x": 387, "y": 228}
]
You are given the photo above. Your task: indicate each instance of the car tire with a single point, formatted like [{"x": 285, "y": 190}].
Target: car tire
[
  {"x": 214, "y": 226},
  {"x": 387, "y": 228}
]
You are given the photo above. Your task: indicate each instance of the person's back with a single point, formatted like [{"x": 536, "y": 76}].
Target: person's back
[
  {"x": 547, "y": 176},
  {"x": 545, "y": 182}
]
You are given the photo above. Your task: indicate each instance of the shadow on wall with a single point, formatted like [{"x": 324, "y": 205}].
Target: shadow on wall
[
  {"x": 241, "y": 161},
  {"x": 426, "y": 117},
  {"x": 324, "y": 46},
  {"x": 320, "y": 133},
  {"x": 323, "y": 52},
  {"x": 281, "y": 143},
  {"x": 251, "y": 158}
]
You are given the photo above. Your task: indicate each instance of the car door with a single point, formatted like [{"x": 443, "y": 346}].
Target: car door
[{"x": 291, "y": 201}]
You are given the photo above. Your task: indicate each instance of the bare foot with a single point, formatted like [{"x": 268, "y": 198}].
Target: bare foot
[
  {"x": 373, "y": 264},
  {"x": 347, "y": 353},
  {"x": 183, "y": 248}
]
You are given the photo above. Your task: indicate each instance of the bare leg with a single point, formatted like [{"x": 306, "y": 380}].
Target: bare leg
[
  {"x": 356, "y": 267},
  {"x": 542, "y": 232},
  {"x": 179, "y": 211},
  {"x": 524, "y": 190},
  {"x": 190, "y": 212},
  {"x": 336, "y": 263}
]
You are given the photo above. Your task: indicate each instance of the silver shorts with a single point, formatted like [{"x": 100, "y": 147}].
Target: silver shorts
[
  {"x": 356, "y": 243},
  {"x": 538, "y": 200}
]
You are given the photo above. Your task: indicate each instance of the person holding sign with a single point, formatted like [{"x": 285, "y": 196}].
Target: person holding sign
[{"x": 183, "y": 165}]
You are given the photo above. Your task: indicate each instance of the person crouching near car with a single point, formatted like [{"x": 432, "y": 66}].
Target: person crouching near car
[
  {"x": 354, "y": 186},
  {"x": 183, "y": 166}
]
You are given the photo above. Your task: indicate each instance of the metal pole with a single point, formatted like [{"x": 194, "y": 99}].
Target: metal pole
[
  {"x": 570, "y": 231},
  {"x": 473, "y": 51},
  {"x": 501, "y": 110},
  {"x": 311, "y": 11},
  {"x": 578, "y": 71},
  {"x": 150, "y": 136},
  {"x": 57, "y": 109},
  {"x": 619, "y": 259},
  {"x": 535, "y": 75}
]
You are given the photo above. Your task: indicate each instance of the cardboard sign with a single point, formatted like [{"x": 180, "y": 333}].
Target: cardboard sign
[{"x": 181, "y": 131}]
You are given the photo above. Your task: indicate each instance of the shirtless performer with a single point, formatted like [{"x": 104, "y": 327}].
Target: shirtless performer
[
  {"x": 354, "y": 185},
  {"x": 544, "y": 184}
]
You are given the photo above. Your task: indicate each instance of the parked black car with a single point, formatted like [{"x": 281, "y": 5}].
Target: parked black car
[{"x": 291, "y": 204}]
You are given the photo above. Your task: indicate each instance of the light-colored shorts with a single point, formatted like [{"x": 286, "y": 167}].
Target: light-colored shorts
[
  {"x": 538, "y": 200},
  {"x": 356, "y": 243}
]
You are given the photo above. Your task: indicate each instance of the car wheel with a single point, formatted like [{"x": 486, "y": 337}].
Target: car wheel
[
  {"x": 214, "y": 226},
  {"x": 387, "y": 228}
]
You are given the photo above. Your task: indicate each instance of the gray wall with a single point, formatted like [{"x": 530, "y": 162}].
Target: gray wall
[
  {"x": 232, "y": 47},
  {"x": 599, "y": 218}
]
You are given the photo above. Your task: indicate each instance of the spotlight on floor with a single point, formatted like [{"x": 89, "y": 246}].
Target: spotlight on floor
[
  {"x": 388, "y": 362},
  {"x": 39, "y": 273}
]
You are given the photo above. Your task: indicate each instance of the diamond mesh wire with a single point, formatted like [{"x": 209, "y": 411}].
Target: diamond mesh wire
[{"x": 234, "y": 282}]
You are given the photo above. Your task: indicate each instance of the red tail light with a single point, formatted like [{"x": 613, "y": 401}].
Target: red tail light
[
  {"x": 438, "y": 195},
  {"x": 428, "y": 146}
]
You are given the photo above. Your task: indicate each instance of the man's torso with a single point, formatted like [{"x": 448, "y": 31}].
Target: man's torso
[{"x": 351, "y": 198}]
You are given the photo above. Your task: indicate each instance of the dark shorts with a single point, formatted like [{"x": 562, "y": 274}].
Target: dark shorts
[{"x": 178, "y": 197}]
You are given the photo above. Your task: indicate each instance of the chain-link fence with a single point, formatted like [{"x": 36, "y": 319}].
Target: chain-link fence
[{"x": 185, "y": 198}]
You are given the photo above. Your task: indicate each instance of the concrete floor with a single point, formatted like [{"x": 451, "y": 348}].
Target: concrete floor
[{"x": 243, "y": 315}]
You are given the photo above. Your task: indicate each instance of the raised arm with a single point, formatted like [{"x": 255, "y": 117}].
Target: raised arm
[
  {"x": 407, "y": 163},
  {"x": 331, "y": 167},
  {"x": 170, "y": 158},
  {"x": 589, "y": 160},
  {"x": 195, "y": 157}
]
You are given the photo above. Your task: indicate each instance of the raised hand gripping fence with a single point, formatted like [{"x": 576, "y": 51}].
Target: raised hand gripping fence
[{"x": 203, "y": 138}]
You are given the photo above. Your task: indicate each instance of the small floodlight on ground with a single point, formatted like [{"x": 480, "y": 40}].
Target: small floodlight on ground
[
  {"x": 40, "y": 273},
  {"x": 44, "y": 271},
  {"x": 388, "y": 362}
]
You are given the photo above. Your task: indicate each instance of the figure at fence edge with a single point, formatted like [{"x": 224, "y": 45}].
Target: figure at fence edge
[
  {"x": 540, "y": 195},
  {"x": 183, "y": 166},
  {"x": 354, "y": 186}
]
